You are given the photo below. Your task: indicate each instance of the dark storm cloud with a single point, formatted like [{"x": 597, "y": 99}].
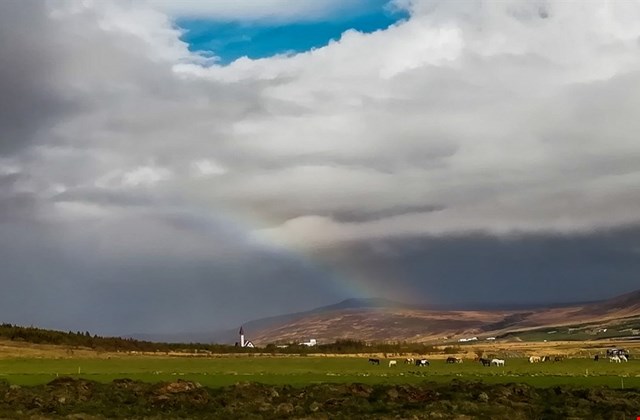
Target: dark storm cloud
[
  {"x": 29, "y": 98},
  {"x": 60, "y": 285},
  {"x": 476, "y": 270},
  {"x": 276, "y": 213},
  {"x": 17, "y": 207},
  {"x": 350, "y": 216}
]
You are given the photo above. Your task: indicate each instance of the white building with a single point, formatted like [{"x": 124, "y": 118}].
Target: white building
[
  {"x": 312, "y": 342},
  {"x": 242, "y": 342}
]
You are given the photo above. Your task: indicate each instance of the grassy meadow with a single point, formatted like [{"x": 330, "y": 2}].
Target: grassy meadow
[{"x": 301, "y": 371}]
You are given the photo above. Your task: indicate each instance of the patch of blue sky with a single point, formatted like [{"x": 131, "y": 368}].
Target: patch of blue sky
[{"x": 230, "y": 40}]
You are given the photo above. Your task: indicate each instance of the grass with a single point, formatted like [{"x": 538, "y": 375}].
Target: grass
[
  {"x": 301, "y": 371},
  {"x": 580, "y": 332}
]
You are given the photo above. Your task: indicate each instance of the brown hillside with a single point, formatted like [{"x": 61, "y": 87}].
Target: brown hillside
[{"x": 422, "y": 325}]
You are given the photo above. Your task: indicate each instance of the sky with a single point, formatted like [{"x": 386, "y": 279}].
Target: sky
[{"x": 175, "y": 166}]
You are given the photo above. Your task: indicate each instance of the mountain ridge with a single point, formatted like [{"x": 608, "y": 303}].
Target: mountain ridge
[
  {"x": 377, "y": 320},
  {"x": 381, "y": 319}
]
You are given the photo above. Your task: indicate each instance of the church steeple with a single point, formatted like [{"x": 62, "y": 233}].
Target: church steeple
[{"x": 241, "y": 332}]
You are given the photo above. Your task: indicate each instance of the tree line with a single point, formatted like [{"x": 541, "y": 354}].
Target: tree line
[{"x": 79, "y": 339}]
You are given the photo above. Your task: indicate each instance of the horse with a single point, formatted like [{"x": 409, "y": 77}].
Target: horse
[
  {"x": 422, "y": 362},
  {"x": 546, "y": 358},
  {"x": 615, "y": 359},
  {"x": 454, "y": 360},
  {"x": 623, "y": 358},
  {"x": 409, "y": 361},
  {"x": 596, "y": 358},
  {"x": 485, "y": 362},
  {"x": 374, "y": 361},
  {"x": 534, "y": 359},
  {"x": 392, "y": 363},
  {"x": 497, "y": 362},
  {"x": 617, "y": 352},
  {"x": 558, "y": 359}
]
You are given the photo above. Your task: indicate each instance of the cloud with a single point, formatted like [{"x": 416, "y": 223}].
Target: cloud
[
  {"x": 467, "y": 119},
  {"x": 481, "y": 270},
  {"x": 489, "y": 110},
  {"x": 30, "y": 98}
]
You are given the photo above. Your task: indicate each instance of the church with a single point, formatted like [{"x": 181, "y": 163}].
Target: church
[{"x": 242, "y": 342}]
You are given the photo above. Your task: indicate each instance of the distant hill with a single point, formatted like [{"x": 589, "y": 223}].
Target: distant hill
[
  {"x": 378, "y": 319},
  {"x": 267, "y": 324},
  {"x": 384, "y": 320}
]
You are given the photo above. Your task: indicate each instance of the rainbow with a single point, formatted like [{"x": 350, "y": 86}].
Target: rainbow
[{"x": 347, "y": 280}]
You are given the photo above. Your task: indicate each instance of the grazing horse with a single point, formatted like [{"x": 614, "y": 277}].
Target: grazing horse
[
  {"x": 454, "y": 360},
  {"x": 534, "y": 359},
  {"x": 617, "y": 352},
  {"x": 497, "y": 362},
  {"x": 409, "y": 361},
  {"x": 374, "y": 361},
  {"x": 392, "y": 363},
  {"x": 615, "y": 359},
  {"x": 558, "y": 359},
  {"x": 623, "y": 358},
  {"x": 546, "y": 358},
  {"x": 422, "y": 362},
  {"x": 596, "y": 358},
  {"x": 485, "y": 362}
]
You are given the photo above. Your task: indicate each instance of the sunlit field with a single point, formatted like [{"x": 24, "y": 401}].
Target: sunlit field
[{"x": 300, "y": 371}]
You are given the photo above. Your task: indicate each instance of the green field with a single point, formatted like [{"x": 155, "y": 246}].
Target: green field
[{"x": 300, "y": 371}]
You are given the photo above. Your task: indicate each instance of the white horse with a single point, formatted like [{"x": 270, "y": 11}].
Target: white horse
[
  {"x": 392, "y": 363},
  {"x": 534, "y": 359},
  {"x": 497, "y": 362},
  {"x": 623, "y": 357},
  {"x": 615, "y": 359}
]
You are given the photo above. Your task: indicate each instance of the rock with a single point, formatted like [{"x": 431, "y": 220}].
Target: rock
[
  {"x": 124, "y": 383},
  {"x": 503, "y": 391},
  {"x": 264, "y": 407},
  {"x": 285, "y": 408},
  {"x": 179, "y": 386},
  {"x": 360, "y": 390},
  {"x": 483, "y": 397},
  {"x": 393, "y": 393},
  {"x": 314, "y": 407}
]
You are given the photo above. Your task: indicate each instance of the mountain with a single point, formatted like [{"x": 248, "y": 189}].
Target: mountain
[
  {"x": 383, "y": 320},
  {"x": 267, "y": 324},
  {"x": 378, "y": 319}
]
